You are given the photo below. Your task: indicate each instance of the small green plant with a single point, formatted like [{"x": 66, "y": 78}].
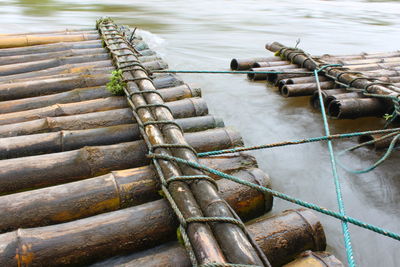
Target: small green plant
[
  {"x": 116, "y": 84},
  {"x": 387, "y": 116}
]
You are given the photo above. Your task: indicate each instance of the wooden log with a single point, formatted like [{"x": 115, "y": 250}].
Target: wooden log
[
  {"x": 304, "y": 89},
  {"x": 36, "y": 144},
  {"x": 281, "y": 237},
  {"x": 352, "y": 108},
  {"x": 87, "y": 240},
  {"x": 117, "y": 190},
  {"x": 299, "y": 80},
  {"x": 314, "y": 100},
  {"x": 64, "y": 69},
  {"x": 246, "y": 64},
  {"x": 49, "y": 63},
  {"x": 195, "y": 199},
  {"x": 315, "y": 259},
  {"x": 84, "y": 94},
  {"x": 43, "y": 56},
  {"x": 190, "y": 107},
  {"x": 50, "y": 48},
  {"x": 263, "y": 76},
  {"x": 49, "y": 169},
  {"x": 30, "y": 40},
  {"x": 50, "y": 86}
]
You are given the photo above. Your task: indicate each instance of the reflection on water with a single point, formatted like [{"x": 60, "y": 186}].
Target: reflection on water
[{"x": 207, "y": 34}]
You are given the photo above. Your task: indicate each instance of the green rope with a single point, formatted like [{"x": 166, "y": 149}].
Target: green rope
[
  {"x": 345, "y": 227},
  {"x": 296, "y": 142},
  {"x": 280, "y": 195},
  {"x": 230, "y": 72}
]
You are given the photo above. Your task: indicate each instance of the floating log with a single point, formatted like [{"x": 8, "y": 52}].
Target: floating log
[
  {"x": 299, "y": 80},
  {"x": 189, "y": 107},
  {"x": 50, "y": 169},
  {"x": 381, "y": 144},
  {"x": 84, "y": 94},
  {"x": 315, "y": 259},
  {"x": 43, "y": 56},
  {"x": 64, "y": 69},
  {"x": 314, "y": 100},
  {"x": 304, "y": 89},
  {"x": 117, "y": 190},
  {"x": 29, "y": 145},
  {"x": 281, "y": 237},
  {"x": 50, "y": 86},
  {"x": 30, "y": 40},
  {"x": 347, "y": 94},
  {"x": 246, "y": 64},
  {"x": 69, "y": 243},
  {"x": 352, "y": 108},
  {"x": 49, "y": 63},
  {"x": 264, "y": 76}
]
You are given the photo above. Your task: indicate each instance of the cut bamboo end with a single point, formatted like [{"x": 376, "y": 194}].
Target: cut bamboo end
[{"x": 31, "y": 40}]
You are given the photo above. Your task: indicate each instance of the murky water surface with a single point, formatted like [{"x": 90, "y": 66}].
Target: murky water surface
[{"x": 207, "y": 34}]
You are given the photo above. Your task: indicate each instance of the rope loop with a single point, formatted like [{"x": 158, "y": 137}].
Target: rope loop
[{"x": 192, "y": 178}]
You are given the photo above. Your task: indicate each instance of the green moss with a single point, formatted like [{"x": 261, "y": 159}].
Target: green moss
[{"x": 116, "y": 84}]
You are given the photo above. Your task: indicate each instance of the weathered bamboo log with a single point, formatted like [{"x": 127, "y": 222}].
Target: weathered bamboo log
[
  {"x": 165, "y": 81},
  {"x": 334, "y": 58},
  {"x": 48, "y": 63},
  {"x": 30, "y": 40},
  {"x": 315, "y": 259},
  {"x": 91, "y": 239},
  {"x": 299, "y": 80},
  {"x": 43, "y": 56},
  {"x": 304, "y": 89},
  {"x": 352, "y": 108},
  {"x": 314, "y": 100},
  {"x": 381, "y": 73},
  {"x": 275, "y": 78},
  {"x": 117, "y": 190},
  {"x": 194, "y": 199},
  {"x": 64, "y": 69},
  {"x": 36, "y": 144},
  {"x": 245, "y": 64},
  {"x": 347, "y": 94},
  {"x": 263, "y": 76},
  {"x": 370, "y": 61},
  {"x": 50, "y": 169},
  {"x": 13, "y": 91},
  {"x": 84, "y": 94},
  {"x": 373, "y": 66},
  {"x": 381, "y": 144},
  {"x": 50, "y": 48},
  {"x": 281, "y": 237},
  {"x": 147, "y": 52},
  {"x": 66, "y": 31},
  {"x": 269, "y": 64},
  {"x": 185, "y": 108},
  {"x": 346, "y": 78},
  {"x": 388, "y": 79}
]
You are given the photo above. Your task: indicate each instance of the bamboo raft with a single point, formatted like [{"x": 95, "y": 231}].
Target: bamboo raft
[{"x": 76, "y": 187}]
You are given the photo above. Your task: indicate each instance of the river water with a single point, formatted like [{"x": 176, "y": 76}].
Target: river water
[{"x": 198, "y": 35}]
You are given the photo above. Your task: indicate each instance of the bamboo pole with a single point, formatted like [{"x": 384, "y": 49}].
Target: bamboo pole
[
  {"x": 42, "y": 56},
  {"x": 30, "y": 40},
  {"x": 190, "y": 198},
  {"x": 370, "y": 61},
  {"x": 344, "y": 95},
  {"x": 13, "y": 91},
  {"x": 48, "y": 48},
  {"x": 281, "y": 237},
  {"x": 190, "y": 107},
  {"x": 49, "y": 169},
  {"x": 269, "y": 64},
  {"x": 36, "y": 144},
  {"x": 88, "y": 240},
  {"x": 49, "y": 63},
  {"x": 246, "y": 64},
  {"x": 263, "y": 76},
  {"x": 304, "y": 89},
  {"x": 352, "y": 108},
  {"x": 66, "y": 31},
  {"x": 114, "y": 191},
  {"x": 299, "y": 80},
  {"x": 84, "y": 94},
  {"x": 334, "y": 58},
  {"x": 314, "y": 100}
]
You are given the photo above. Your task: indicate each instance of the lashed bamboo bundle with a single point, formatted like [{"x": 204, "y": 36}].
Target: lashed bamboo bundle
[{"x": 281, "y": 237}]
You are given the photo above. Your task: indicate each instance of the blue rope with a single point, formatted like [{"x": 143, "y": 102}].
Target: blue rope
[
  {"x": 280, "y": 195},
  {"x": 345, "y": 227}
]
